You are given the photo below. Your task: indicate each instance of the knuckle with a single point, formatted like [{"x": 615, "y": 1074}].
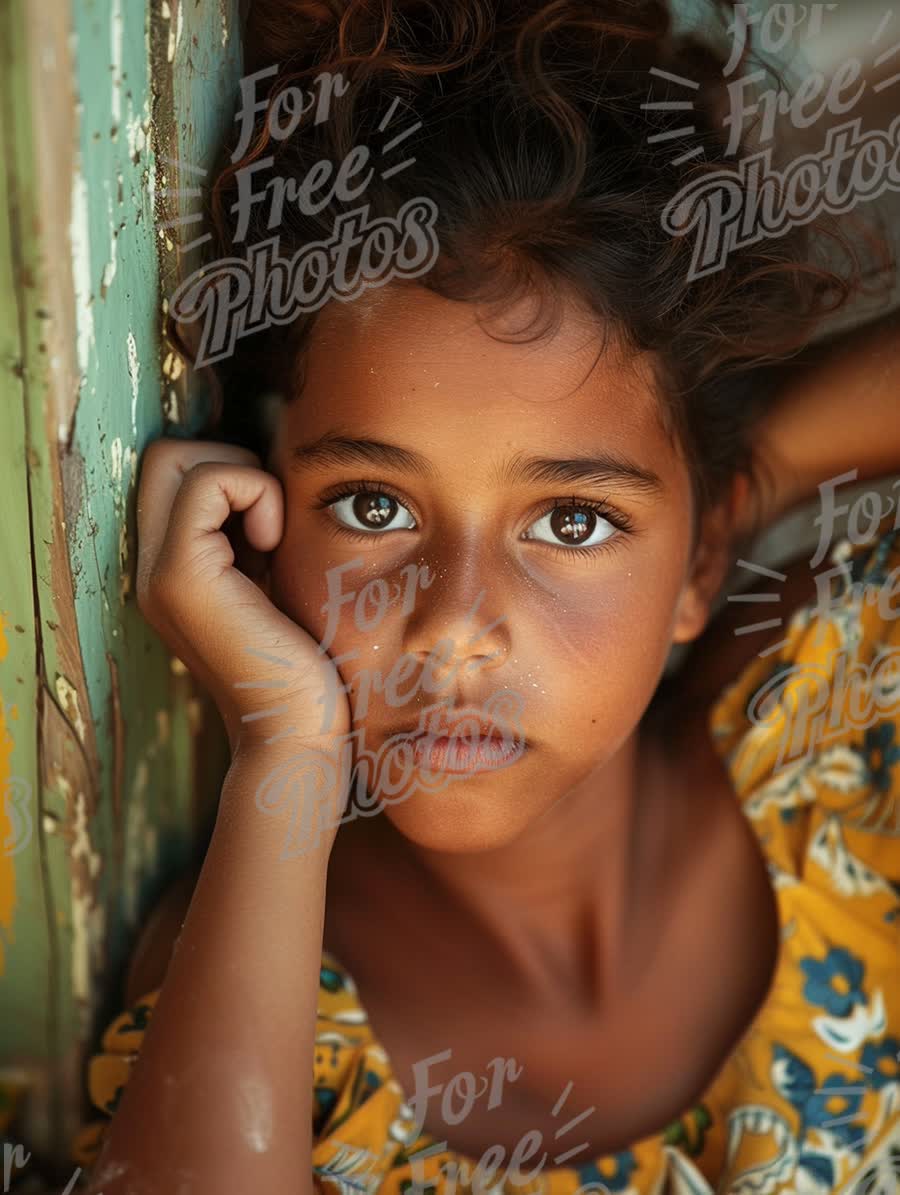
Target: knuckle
[
  {"x": 201, "y": 471},
  {"x": 198, "y": 469},
  {"x": 195, "y": 477}
]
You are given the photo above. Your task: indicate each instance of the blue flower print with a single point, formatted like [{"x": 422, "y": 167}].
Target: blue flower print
[
  {"x": 324, "y": 1099},
  {"x": 881, "y": 753},
  {"x": 882, "y": 1062},
  {"x": 870, "y": 563},
  {"x": 821, "y": 1168},
  {"x": 834, "y": 984},
  {"x": 615, "y": 1174},
  {"x": 792, "y": 1078},
  {"x": 832, "y": 1107},
  {"x": 331, "y": 980}
]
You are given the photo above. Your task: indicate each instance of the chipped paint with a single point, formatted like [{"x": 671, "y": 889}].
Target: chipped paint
[
  {"x": 94, "y": 118},
  {"x": 50, "y": 822},
  {"x": 166, "y": 13},
  {"x": 171, "y": 406},
  {"x": 109, "y": 270},
  {"x": 67, "y": 697},
  {"x": 115, "y": 47},
  {"x": 88, "y": 916},
  {"x": 115, "y": 452},
  {"x": 134, "y": 376},
  {"x": 124, "y": 571},
  {"x": 79, "y": 235},
  {"x": 136, "y": 136},
  {"x": 173, "y": 366}
]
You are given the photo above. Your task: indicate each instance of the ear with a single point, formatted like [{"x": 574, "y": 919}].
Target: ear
[{"x": 709, "y": 568}]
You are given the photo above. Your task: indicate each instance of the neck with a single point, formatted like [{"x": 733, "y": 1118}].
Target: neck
[{"x": 572, "y": 901}]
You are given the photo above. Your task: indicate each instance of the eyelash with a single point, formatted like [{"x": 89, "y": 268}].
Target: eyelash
[
  {"x": 612, "y": 515},
  {"x": 354, "y": 487}
]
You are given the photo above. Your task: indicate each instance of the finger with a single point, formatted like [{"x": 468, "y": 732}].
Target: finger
[
  {"x": 209, "y": 493},
  {"x": 163, "y": 467},
  {"x": 264, "y": 521}
]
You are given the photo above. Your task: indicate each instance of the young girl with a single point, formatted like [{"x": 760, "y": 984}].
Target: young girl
[{"x": 627, "y": 932}]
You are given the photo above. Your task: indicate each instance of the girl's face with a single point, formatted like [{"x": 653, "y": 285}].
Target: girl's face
[{"x": 527, "y": 524}]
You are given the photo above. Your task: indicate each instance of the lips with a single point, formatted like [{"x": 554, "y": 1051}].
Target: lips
[
  {"x": 463, "y": 740},
  {"x": 446, "y": 753}
]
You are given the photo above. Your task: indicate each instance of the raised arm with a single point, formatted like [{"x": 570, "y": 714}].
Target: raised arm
[
  {"x": 220, "y": 1096},
  {"x": 839, "y": 410}
]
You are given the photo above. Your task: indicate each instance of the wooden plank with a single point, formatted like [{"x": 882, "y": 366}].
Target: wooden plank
[
  {"x": 95, "y": 717},
  {"x": 24, "y": 945}
]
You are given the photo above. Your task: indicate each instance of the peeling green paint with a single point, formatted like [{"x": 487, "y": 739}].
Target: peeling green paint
[{"x": 94, "y": 95}]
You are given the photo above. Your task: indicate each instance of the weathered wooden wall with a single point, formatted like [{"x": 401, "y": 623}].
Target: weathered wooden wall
[{"x": 110, "y": 761}]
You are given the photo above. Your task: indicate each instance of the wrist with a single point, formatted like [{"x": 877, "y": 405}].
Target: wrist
[{"x": 288, "y": 794}]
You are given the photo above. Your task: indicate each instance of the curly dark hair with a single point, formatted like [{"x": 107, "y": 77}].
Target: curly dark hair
[{"x": 538, "y": 148}]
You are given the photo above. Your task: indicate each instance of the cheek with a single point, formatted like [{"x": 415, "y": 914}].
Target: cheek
[
  {"x": 622, "y": 614},
  {"x": 598, "y": 645},
  {"x": 298, "y": 589},
  {"x": 345, "y": 603}
]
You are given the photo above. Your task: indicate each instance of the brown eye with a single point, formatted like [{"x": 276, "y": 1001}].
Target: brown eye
[
  {"x": 572, "y": 525},
  {"x": 371, "y": 510},
  {"x": 374, "y": 510}
]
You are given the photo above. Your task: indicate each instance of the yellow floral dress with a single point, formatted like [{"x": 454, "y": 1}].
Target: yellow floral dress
[{"x": 809, "y": 1101}]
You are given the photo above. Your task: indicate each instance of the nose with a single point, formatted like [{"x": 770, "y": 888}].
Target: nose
[{"x": 456, "y": 626}]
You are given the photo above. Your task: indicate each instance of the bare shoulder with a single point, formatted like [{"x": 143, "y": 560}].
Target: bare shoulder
[{"x": 150, "y": 960}]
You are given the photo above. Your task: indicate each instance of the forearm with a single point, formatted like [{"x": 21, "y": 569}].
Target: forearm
[
  {"x": 839, "y": 410},
  {"x": 221, "y": 1094}
]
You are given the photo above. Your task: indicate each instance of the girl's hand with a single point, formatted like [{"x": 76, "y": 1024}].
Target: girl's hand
[{"x": 249, "y": 655}]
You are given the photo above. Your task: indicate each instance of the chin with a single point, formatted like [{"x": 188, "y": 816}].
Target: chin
[{"x": 478, "y": 812}]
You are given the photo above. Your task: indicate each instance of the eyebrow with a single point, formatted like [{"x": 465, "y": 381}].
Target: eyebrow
[
  {"x": 603, "y": 469},
  {"x": 332, "y": 449}
]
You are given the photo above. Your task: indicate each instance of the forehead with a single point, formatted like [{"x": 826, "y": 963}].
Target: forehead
[{"x": 403, "y": 360}]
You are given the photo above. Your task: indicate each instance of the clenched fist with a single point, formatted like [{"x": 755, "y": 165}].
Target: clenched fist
[{"x": 249, "y": 655}]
